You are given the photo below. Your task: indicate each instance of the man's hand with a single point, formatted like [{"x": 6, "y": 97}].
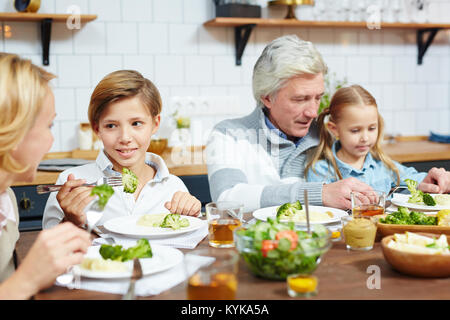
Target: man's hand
[
  {"x": 337, "y": 194},
  {"x": 436, "y": 181}
]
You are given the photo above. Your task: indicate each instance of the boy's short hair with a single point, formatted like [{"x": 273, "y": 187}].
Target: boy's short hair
[{"x": 119, "y": 85}]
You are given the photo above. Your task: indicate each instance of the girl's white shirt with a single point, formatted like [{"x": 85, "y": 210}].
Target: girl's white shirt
[{"x": 151, "y": 200}]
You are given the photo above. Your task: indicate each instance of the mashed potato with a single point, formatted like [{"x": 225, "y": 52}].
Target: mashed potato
[
  {"x": 151, "y": 220},
  {"x": 300, "y": 216},
  {"x": 442, "y": 199},
  {"x": 102, "y": 265}
]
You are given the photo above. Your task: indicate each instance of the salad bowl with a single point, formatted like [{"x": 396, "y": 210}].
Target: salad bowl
[{"x": 273, "y": 250}]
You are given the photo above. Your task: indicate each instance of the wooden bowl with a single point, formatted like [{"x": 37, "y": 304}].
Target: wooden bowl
[
  {"x": 157, "y": 146},
  {"x": 389, "y": 229},
  {"x": 417, "y": 264}
]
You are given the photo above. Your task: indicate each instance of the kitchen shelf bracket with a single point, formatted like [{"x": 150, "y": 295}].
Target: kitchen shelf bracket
[
  {"x": 46, "y": 30},
  {"x": 422, "y": 44},
  {"x": 241, "y": 36}
]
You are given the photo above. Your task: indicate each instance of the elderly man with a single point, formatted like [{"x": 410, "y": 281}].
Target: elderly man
[{"x": 259, "y": 159}]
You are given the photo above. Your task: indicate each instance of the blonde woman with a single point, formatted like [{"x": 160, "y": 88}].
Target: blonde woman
[
  {"x": 27, "y": 112},
  {"x": 357, "y": 125}
]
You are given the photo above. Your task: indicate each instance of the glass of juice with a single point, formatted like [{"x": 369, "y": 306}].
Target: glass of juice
[
  {"x": 368, "y": 203},
  {"x": 223, "y": 217},
  {"x": 211, "y": 274}
]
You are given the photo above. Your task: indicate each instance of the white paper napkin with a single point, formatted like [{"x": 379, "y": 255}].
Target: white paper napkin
[
  {"x": 147, "y": 286},
  {"x": 184, "y": 241}
]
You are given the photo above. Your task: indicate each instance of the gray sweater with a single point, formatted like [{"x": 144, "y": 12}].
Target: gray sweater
[{"x": 250, "y": 163}]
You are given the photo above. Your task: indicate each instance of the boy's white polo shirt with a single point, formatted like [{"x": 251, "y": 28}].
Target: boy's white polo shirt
[{"x": 152, "y": 198}]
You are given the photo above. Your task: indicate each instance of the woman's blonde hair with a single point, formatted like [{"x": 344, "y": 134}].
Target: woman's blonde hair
[
  {"x": 344, "y": 97},
  {"x": 119, "y": 85},
  {"x": 23, "y": 87}
]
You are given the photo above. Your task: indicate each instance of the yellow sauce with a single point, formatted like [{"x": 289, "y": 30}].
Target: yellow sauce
[{"x": 360, "y": 233}]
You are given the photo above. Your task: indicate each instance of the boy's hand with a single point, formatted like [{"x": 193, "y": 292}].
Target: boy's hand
[
  {"x": 184, "y": 203},
  {"x": 73, "y": 198}
]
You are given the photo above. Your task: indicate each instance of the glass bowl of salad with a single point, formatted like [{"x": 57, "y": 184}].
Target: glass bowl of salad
[{"x": 273, "y": 250}]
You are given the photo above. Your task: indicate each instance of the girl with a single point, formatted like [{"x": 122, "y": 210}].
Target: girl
[
  {"x": 124, "y": 112},
  {"x": 357, "y": 127},
  {"x": 27, "y": 111}
]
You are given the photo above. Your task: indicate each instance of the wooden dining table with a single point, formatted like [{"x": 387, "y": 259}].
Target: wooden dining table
[{"x": 342, "y": 275}]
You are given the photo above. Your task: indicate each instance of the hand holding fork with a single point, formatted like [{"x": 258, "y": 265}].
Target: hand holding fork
[{"x": 74, "y": 196}]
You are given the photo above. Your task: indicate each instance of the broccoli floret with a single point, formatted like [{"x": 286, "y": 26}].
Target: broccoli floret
[
  {"x": 288, "y": 210},
  {"x": 104, "y": 192},
  {"x": 403, "y": 210},
  {"x": 404, "y": 216},
  {"x": 142, "y": 249},
  {"x": 416, "y": 195},
  {"x": 174, "y": 221},
  {"x": 297, "y": 205},
  {"x": 129, "y": 181},
  {"x": 111, "y": 252},
  {"x": 428, "y": 199}
]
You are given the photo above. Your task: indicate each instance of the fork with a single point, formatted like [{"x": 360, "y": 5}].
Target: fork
[
  {"x": 136, "y": 275},
  {"x": 395, "y": 189},
  {"x": 112, "y": 181}
]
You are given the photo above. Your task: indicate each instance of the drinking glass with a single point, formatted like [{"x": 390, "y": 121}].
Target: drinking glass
[
  {"x": 216, "y": 279},
  {"x": 359, "y": 232},
  {"x": 223, "y": 217},
  {"x": 368, "y": 203}
]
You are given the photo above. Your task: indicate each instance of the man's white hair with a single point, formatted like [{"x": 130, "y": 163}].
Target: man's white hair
[{"x": 282, "y": 59}]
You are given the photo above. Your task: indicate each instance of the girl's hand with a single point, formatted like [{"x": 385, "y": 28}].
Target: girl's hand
[
  {"x": 73, "y": 198},
  {"x": 184, "y": 203},
  {"x": 53, "y": 252}
]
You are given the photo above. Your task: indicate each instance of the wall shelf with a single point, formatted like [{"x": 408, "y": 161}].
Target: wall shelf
[
  {"x": 424, "y": 30},
  {"x": 46, "y": 21}
]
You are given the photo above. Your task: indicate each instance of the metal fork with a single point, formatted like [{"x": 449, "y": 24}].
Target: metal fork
[
  {"x": 395, "y": 189},
  {"x": 136, "y": 275},
  {"x": 112, "y": 181}
]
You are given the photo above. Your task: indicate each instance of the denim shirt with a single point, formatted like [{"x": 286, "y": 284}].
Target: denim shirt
[{"x": 373, "y": 172}]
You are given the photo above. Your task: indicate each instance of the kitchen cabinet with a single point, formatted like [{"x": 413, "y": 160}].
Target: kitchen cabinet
[{"x": 244, "y": 26}]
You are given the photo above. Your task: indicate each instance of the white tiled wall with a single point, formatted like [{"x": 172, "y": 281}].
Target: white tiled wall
[{"x": 191, "y": 64}]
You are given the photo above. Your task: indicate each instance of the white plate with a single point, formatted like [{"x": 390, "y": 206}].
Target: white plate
[
  {"x": 163, "y": 258},
  {"x": 401, "y": 200},
  {"x": 128, "y": 226},
  {"x": 271, "y": 212}
]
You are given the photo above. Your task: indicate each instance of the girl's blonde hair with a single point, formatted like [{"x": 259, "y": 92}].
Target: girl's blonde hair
[
  {"x": 23, "y": 87},
  {"x": 348, "y": 96},
  {"x": 119, "y": 85}
]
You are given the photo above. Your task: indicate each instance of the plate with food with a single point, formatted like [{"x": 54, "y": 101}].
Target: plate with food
[
  {"x": 296, "y": 213},
  {"x": 116, "y": 261},
  {"x": 418, "y": 254},
  {"x": 154, "y": 225},
  {"x": 419, "y": 200},
  {"x": 442, "y": 201},
  {"x": 414, "y": 221}
]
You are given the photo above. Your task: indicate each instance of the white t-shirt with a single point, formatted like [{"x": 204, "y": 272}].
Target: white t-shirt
[{"x": 152, "y": 198}]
